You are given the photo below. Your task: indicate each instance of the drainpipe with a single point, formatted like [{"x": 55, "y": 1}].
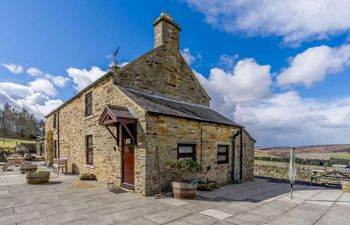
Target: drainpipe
[
  {"x": 201, "y": 124},
  {"x": 241, "y": 155},
  {"x": 233, "y": 155},
  {"x": 58, "y": 134}
]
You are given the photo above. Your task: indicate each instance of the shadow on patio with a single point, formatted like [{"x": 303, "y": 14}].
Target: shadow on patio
[{"x": 260, "y": 189}]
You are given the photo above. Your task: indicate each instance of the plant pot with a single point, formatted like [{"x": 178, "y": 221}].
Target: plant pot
[
  {"x": 184, "y": 190},
  {"x": 28, "y": 168},
  {"x": 39, "y": 177},
  {"x": 345, "y": 186}
]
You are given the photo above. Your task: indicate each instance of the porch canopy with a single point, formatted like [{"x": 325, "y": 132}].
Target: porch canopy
[
  {"x": 115, "y": 116},
  {"x": 112, "y": 115}
]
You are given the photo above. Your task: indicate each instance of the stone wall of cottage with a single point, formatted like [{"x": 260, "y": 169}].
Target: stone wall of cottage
[
  {"x": 163, "y": 71},
  {"x": 74, "y": 126},
  {"x": 248, "y": 157},
  {"x": 163, "y": 135}
]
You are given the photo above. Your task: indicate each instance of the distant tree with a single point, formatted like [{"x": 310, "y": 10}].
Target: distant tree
[
  {"x": 18, "y": 123},
  {"x": 41, "y": 128},
  {"x": 2, "y": 123},
  {"x": 7, "y": 120}
]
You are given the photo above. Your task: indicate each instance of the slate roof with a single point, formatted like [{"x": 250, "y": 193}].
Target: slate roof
[
  {"x": 164, "y": 105},
  {"x": 121, "y": 111}
]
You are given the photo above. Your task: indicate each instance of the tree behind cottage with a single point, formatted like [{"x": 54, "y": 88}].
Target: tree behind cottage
[{"x": 16, "y": 123}]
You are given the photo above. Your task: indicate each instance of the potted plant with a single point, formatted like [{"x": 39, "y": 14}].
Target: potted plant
[{"x": 184, "y": 172}]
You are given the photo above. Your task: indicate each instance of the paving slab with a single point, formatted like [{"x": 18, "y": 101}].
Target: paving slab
[
  {"x": 289, "y": 221},
  {"x": 129, "y": 214},
  {"x": 173, "y": 201},
  {"x": 166, "y": 216},
  {"x": 249, "y": 218},
  {"x": 216, "y": 214},
  {"x": 195, "y": 219}
]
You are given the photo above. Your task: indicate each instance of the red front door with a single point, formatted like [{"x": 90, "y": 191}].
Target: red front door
[
  {"x": 128, "y": 161},
  {"x": 128, "y": 165}
]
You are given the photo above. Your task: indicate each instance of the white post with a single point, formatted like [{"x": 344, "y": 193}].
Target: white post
[{"x": 292, "y": 171}]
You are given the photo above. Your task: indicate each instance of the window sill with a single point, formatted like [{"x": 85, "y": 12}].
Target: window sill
[
  {"x": 88, "y": 117},
  {"x": 90, "y": 166}
]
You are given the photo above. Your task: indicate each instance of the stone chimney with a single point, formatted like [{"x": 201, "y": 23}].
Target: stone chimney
[{"x": 166, "y": 32}]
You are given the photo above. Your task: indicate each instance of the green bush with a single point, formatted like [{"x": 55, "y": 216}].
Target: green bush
[
  {"x": 86, "y": 176},
  {"x": 49, "y": 147},
  {"x": 183, "y": 170}
]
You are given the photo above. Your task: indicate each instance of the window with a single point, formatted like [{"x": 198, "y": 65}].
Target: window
[
  {"x": 222, "y": 154},
  {"x": 54, "y": 121},
  {"x": 88, "y": 104},
  {"x": 89, "y": 150},
  {"x": 186, "y": 151}
]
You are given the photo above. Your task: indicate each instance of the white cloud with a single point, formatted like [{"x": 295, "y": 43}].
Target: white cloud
[
  {"x": 15, "y": 90},
  {"x": 43, "y": 86},
  {"x": 35, "y": 72},
  {"x": 189, "y": 58},
  {"x": 288, "y": 119},
  {"x": 314, "y": 64},
  {"x": 83, "y": 77},
  {"x": 39, "y": 104},
  {"x": 58, "y": 81},
  {"x": 247, "y": 82},
  {"x": 294, "y": 20},
  {"x": 13, "y": 68},
  {"x": 5, "y": 98},
  {"x": 227, "y": 62},
  {"x": 33, "y": 96}
]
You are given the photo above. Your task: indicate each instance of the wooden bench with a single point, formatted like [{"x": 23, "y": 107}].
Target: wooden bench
[
  {"x": 58, "y": 164},
  {"x": 13, "y": 160}
]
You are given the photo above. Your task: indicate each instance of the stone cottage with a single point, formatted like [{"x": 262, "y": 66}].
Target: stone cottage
[{"x": 125, "y": 125}]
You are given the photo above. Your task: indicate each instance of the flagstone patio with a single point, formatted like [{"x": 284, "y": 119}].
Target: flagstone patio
[{"x": 66, "y": 200}]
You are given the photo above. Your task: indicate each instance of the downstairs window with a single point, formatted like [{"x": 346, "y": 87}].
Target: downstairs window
[{"x": 222, "y": 154}]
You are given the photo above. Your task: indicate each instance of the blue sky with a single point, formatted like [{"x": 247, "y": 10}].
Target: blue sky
[{"x": 287, "y": 73}]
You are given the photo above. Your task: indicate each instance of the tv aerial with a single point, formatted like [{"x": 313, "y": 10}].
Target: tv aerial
[{"x": 115, "y": 54}]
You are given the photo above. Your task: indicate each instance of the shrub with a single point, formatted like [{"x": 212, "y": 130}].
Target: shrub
[
  {"x": 89, "y": 176},
  {"x": 184, "y": 170},
  {"x": 49, "y": 147}
]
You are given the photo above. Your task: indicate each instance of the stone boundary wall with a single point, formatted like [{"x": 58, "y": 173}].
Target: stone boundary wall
[{"x": 281, "y": 171}]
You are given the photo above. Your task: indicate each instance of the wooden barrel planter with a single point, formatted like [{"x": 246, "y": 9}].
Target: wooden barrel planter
[
  {"x": 184, "y": 190},
  {"x": 39, "y": 177},
  {"x": 28, "y": 168},
  {"x": 345, "y": 186}
]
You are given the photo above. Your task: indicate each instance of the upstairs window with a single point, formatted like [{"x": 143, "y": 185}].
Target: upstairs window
[
  {"x": 54, "y": 121},
  {"x": 88, "y": 104},
  {"x": 186, "y": 151},
  {"x": 89, "y": 150},
  {"x": 222, "y": 154}
]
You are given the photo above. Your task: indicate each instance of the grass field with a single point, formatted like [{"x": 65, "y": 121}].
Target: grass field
[
  {"x": 270, "y": 162},
  {"x": 341, "y": 155},
  {"x": 7, "y": 143}
]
